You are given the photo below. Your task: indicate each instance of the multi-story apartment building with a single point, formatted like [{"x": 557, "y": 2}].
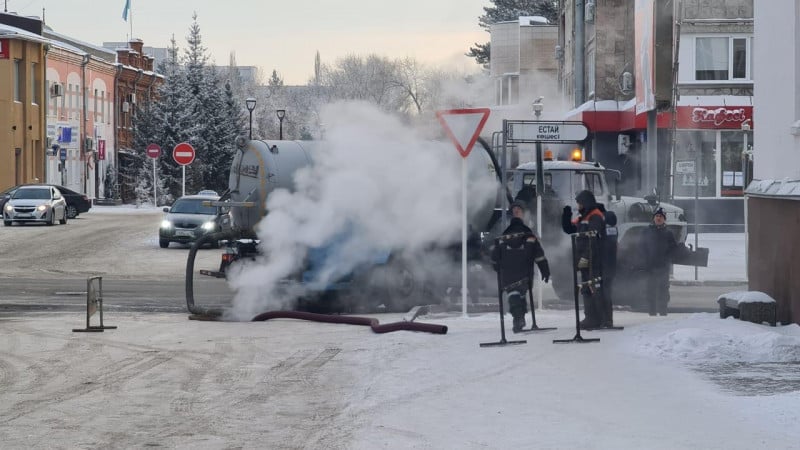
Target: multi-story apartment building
[
  {"x": 711, "y": 111},
  {"x": 22, "y": 92}
]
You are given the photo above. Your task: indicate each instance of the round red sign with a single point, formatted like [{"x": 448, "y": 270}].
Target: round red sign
[
  {"x": 153, "y": 151},
  {"x": 183, "y": 153}
]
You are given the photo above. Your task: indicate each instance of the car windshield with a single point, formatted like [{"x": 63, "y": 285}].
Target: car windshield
[
  {"x": 31, "y": 194},
  {"x": 192, "y": 206}
]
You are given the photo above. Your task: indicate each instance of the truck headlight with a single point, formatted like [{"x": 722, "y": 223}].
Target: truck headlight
[
  {"x": 166, "y": 224},
  {"x": 209, "y": 226}
]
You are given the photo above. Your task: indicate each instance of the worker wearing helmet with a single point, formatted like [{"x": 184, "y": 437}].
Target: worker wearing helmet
[
  {"x": 588, "y": 257},
  {"x": 514, "y": 255}
]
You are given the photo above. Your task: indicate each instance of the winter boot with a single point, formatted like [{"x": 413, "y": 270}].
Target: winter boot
[{"x": 517, "y": 308}]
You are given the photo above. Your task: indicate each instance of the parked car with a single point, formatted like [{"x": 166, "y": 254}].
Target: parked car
[
  {"x": 189, "y": 219},
  {"x": 77, "y": 203},
  {"x": 35, "y": 203}
]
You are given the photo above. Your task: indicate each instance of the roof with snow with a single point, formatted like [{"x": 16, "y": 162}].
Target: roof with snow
[{"x": 789, "y": 189}]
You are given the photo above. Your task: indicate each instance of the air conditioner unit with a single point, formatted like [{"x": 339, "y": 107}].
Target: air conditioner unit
[
  {"x": 132, "y": 98},
  {"x": 57, "y": 90},
  {"x": 627, "y": 83},
  {"x": 623, "y": 143},
  {"x": 126, "y": 107},
  {"x": 89, "y": 144}
]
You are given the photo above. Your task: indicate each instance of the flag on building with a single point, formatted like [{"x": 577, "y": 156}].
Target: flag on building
[{"x": 125, "y": 11}]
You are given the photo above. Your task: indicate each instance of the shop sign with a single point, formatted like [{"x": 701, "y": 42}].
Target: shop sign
[
  {"x": 5, "y": 51},
  {"x": 718, "y": 116}
]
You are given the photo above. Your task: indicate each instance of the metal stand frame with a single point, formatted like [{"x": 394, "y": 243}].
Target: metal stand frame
[
  {"x": 534, "y": 327},
  {"x": 94, "y": 303},
  {"x": 578, "y": 339},
  {"x": 502, "y": 341}
]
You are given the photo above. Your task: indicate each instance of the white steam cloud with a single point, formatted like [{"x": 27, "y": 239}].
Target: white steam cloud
[{"x": 375, "y": 186}]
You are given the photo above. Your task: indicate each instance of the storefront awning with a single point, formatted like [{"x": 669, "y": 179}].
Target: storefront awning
[{"x": 609, "y": 116}]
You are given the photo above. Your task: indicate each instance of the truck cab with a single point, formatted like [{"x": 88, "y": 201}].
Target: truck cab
[{"x": 563, "y": 179}]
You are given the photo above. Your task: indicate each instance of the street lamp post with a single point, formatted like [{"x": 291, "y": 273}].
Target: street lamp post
[
  {"x": 281, "y": 113},
  {"x": 538, "y": 106},
  {"x": 251, "y": 105}
]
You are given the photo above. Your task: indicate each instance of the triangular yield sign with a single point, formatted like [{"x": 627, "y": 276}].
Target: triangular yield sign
[{"x": 463, "y": 126}]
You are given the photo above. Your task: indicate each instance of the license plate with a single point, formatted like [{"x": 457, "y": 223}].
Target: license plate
[
  {"x": 24, "y": 216},
  {"x": 183, "y": 233}
]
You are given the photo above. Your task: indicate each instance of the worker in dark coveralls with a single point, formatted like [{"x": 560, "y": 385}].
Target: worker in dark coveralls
[
  {"x": 589, "y": 256},
  {"x": 659, "y": 246},
  {"x": 514, "y": 255}
]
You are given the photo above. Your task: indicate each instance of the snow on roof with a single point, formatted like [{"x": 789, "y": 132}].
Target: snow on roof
[
  {"x": 785, "y": 188},
  {"x": 747, "y": 297},
  {"x": 76, "y": 43},
  {"x": 8, "y": 31}
]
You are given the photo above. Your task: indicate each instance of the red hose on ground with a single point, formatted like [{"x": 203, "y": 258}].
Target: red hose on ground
[{"x": 353, "y": 320}]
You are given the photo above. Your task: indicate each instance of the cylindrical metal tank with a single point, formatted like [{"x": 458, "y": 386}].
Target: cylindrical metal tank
[{"x": 260, "y": 167}]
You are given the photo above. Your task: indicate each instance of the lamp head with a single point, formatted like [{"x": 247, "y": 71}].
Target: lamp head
[
  {"x": 251, "y": 104},
  {"x": 281, "y": 113}
]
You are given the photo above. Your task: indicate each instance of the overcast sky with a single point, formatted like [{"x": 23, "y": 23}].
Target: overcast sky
[{"x": 282, "y": 35}]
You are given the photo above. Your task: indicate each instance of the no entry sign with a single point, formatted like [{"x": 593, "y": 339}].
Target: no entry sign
[
  {"x": 153, "y": 151},
  {"x": 183, "y": 153}
]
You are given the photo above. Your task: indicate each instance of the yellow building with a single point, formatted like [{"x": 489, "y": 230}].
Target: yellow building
[{"x": 22, "y": 101}]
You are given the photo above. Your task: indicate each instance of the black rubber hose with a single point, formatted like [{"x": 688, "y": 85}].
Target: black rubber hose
[
  {"x": 353, "y": 320},
  {"x": 199, "y": 312}
]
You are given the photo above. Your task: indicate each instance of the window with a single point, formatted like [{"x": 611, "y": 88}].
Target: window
[
  {"x": 734, "y": 164},
  {"x": 695, "y": 164},
  {"x": 723, "y": 58},
  {"x": 19, "y": 87}
]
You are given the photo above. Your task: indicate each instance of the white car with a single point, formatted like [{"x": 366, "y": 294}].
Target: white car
[{"x": 43, "y": 204}]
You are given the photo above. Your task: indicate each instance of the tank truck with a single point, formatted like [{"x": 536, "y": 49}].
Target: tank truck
[
  {"x": 395, "y": 284},
  {"x": 389, "y": 282}
]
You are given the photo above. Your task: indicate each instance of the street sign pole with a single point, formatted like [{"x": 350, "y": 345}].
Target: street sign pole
[
  {"x": 463, "y": 126},
  {"x": 155, "y": 194},
  {"x": 183, "y": 183}
]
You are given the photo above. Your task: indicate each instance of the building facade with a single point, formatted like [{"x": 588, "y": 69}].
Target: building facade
[
  {"x": 80, "y": 105},
  {"x": 704, "y": 137},
  {"x": 136, "y": 84},
  {"x": 523, "y": 66},
  {"x": 22, "y": 93},
  {"x": 773, "y": 198}
]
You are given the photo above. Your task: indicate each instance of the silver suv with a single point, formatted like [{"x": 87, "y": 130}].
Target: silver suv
[{"x": 43, "y": 204}]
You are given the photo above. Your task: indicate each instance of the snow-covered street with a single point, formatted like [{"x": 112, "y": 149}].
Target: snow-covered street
[{"x": 162, "y": 380}]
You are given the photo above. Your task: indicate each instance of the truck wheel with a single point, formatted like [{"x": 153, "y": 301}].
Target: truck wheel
[{"x": 163, "y": 243}]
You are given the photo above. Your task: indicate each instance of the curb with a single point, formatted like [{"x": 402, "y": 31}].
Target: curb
[{"x": 716, "y": 283}]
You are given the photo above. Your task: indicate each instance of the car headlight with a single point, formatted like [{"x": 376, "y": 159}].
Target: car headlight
[
  {"x": 166, "y": 224},
  {"x": 42, "y": 207},
  {"x": 209, "y": 226},
  {"x": 9, "y": 208}
]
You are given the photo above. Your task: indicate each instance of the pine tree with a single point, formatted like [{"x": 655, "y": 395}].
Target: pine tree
[{"x": 504, "y": 10}]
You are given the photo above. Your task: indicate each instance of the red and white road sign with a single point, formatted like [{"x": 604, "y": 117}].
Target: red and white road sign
[
  {"x": 463, "y": 126},
  {"x": 153, "y": 151},
  {"x": 183, "y": 153}
]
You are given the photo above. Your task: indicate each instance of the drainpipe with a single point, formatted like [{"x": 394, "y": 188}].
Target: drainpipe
[
  {"x": 580, "y": 52},
  {"x": 84, "y": 118},
  {"x": 116, "y": 127}
]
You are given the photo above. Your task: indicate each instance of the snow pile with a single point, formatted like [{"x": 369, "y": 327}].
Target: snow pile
[
  {"x": 747, "y": 297},
  {"x": 704, "y": 338}
]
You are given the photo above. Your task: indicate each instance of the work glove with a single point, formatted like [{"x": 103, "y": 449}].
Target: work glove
[
  {"x": 583, "y": 263},
  {"x": 566, "y": 218},
  {"x": 544, "y": 270}
]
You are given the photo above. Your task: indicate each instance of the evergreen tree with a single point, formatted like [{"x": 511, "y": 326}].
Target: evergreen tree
[{"x": 504, "y": 10}]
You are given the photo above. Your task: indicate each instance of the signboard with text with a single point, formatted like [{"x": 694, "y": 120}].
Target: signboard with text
[
  {"x": 537, "y": 131},
  {"x": 101, "y": 149}
]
